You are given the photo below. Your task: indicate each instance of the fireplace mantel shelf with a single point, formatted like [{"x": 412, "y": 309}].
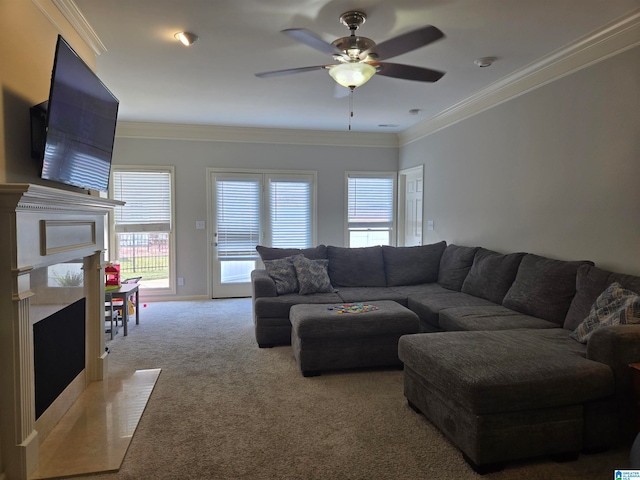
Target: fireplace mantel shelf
[{"x": 38, "y": 197}]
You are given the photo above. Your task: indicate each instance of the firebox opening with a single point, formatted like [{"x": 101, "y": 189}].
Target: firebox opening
[{"x": 59, "y": 352}]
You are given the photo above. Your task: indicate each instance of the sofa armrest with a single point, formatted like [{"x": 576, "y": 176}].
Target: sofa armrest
[
  {"x": 616, "y": 346},
  {"x": 262, "y": 285}
]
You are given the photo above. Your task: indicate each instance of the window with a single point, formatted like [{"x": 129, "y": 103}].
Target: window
[
  {"x": 370, "y": 209},
  {"x": 143, "y": 226}
]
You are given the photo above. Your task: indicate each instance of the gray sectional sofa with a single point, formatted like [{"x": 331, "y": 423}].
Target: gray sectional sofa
[{"x": 505, "y": 366}]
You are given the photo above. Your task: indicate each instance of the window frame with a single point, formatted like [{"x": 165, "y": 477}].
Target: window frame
[
  {"x": 392, "y": 229},
  {"x": 113, "y": 234}
]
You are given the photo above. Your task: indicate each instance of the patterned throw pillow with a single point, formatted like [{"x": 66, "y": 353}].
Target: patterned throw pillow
[
  {"x": 283, "y": 274},
  {"x": 312, "y": 275},
  {"x": 614, "y": 306}
]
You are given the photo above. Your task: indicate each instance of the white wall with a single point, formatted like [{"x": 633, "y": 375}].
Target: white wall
[
  {"x": 553, "y": 172},
  {"x": 191, "y": 159}
]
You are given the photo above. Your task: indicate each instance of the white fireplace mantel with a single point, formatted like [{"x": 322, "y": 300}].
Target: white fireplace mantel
[{"x": 43, "y": 226}]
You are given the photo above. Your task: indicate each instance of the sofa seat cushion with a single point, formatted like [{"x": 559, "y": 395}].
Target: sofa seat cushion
[
  {"x": 507, "y": 371},
  {"x": 492, "y": 274},
  {"x": 489, "y": 317},
  {"x": 428, "y": 306},
  {"x": 279, "y": 306},
  {"x": 370, "y": 294},
  {"x": 423, "y": 289},
  {"x": 412, "y": 265},
  {"x": 544, "y": 287},
  {"x": 356, "y": 267}
]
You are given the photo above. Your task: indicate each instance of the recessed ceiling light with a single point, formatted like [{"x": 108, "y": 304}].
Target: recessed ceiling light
[
  {"x": 484, "y": 61},
  {"x": 414, "y": 111},
  {"x": 186, "y": 38}
]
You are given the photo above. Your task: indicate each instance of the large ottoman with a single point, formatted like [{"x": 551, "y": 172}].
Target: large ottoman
[
  {"x": 508, "y": 395},
  {"x": 322, "y": 339}
]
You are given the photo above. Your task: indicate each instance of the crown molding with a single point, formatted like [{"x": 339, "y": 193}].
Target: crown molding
[
  {"x": 601, "y": 44},
  {"x": 52, "y": 9},
  {"x": 213, "y": 133},
  {"x": 74, "y": 16}
]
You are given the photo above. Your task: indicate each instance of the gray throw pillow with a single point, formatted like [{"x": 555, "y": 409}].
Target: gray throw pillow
[
  {"x": 283, "y": 274},
  {"x": 491, "y": 274},
  {"x": 614, "y": 306},
  {"x": 544, "y": 287},
  {"x": 455, "y": 264},
  {"x": 412, "y": 265},
  {"x": 272, "y": 253},
  {"x": 356, "y": 267},
  {"x": 312, "y": 275}
]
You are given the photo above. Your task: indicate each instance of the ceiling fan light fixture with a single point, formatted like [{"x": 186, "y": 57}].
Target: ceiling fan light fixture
[
  {"x": 352, "y": 74},
  {"x": 186, "y": 38}
]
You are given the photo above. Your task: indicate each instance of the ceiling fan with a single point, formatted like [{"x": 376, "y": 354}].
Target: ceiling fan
[{"x": 360, "y": 58}]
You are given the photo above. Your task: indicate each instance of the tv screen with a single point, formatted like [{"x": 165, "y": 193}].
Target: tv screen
[{"x": 77, "y": 125}]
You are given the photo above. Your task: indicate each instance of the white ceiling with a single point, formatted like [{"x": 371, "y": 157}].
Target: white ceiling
[{"x": 213, "y": 82}]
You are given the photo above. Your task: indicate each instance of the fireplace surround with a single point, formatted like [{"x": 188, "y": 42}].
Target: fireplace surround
[{"x": 42, "y": 227}]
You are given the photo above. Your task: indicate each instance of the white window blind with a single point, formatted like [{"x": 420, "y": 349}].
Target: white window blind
[
  {"x": 290, "y": 212},
  {"x": 238, "y": 205},
  {"x": 370, "y": 201},
  {"x": 148, "y": 200}
]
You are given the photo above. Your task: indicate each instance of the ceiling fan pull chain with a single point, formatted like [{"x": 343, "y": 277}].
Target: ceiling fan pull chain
[{"x": 351, "y": 89}]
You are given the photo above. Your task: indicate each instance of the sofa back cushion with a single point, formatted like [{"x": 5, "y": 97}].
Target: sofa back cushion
[
  {"x": 590, "y": 283},
  {"x": 492, "y": 274},
  {"x": 544, "y": 287},
  {"x": 412, "y": 265},
  {"x": 356, "y": 267},
  {"x": 272, "y": 253},
  {"x": 455, "y": 264}
]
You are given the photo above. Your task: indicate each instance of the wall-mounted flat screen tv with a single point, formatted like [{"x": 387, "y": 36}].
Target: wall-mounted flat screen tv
[{"x": 72, "y": 133}]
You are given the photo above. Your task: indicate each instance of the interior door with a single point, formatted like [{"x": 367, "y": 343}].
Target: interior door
[
  {"x": 412, "y": 191},
  {"x": 237, "y": 228}
]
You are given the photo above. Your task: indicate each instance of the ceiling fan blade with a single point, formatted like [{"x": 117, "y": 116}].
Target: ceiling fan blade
[
  {"x": 312, "y": 40},
  {"x": 408, "y": 72},
  {"x": 288, "y": 71},
  {"x": 405, "y": 43}
]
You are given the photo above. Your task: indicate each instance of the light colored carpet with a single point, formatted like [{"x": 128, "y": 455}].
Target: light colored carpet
[{"x": 225, "y": 409}]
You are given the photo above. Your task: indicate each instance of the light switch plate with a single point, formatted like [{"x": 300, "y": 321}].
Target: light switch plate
[
  {"x": 199, "y": 224},
  {"x": 430, "y": 225}
]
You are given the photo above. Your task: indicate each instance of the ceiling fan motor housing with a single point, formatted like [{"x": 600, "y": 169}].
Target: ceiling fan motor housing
[{"x": 353, "y": 45}]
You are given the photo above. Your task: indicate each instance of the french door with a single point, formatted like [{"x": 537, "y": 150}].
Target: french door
[{"x": 249, "y": 209}]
